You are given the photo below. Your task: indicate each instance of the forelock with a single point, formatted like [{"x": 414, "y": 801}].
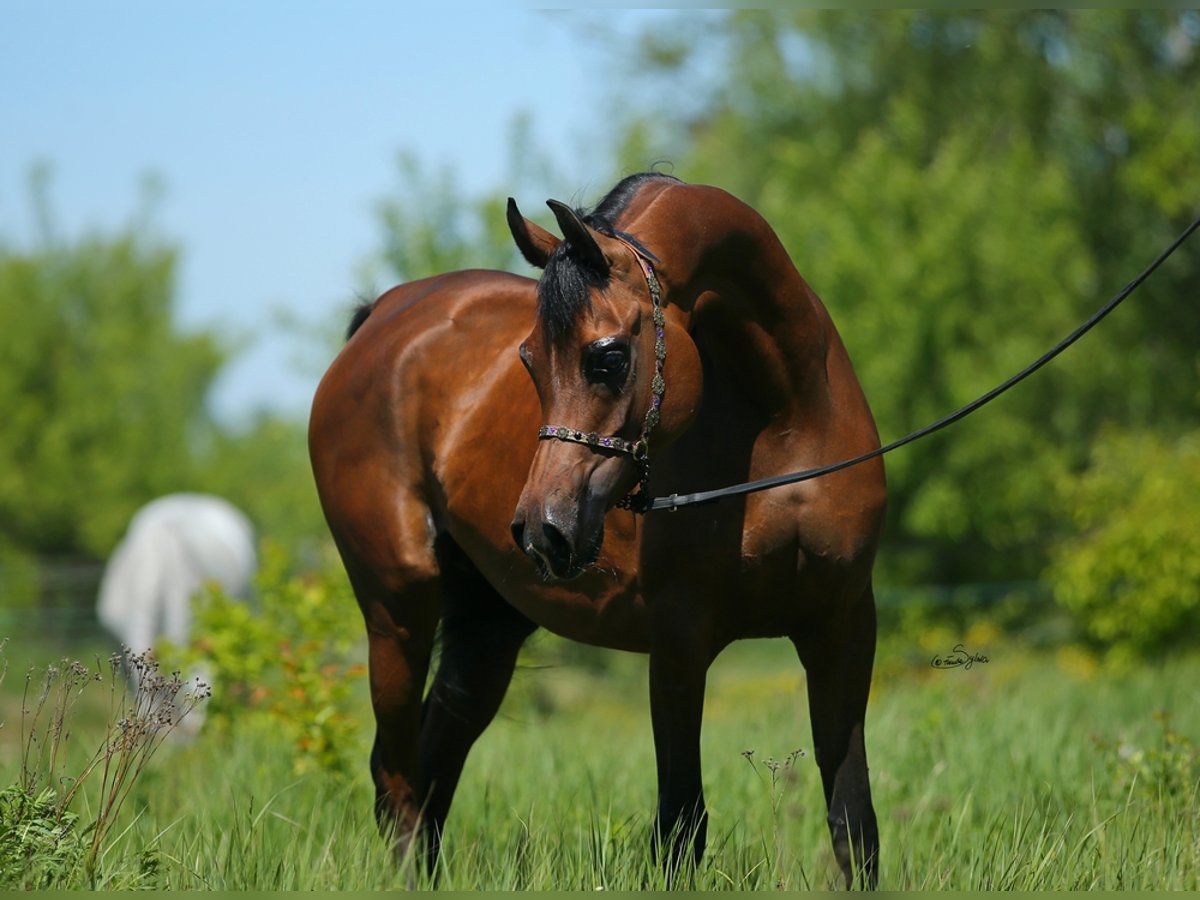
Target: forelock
[{"x": 564, "y": 290}]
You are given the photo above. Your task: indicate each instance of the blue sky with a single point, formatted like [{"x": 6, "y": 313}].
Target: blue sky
[{"x": 274, "y": 129}]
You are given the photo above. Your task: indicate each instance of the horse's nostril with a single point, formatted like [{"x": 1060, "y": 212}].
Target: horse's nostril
[
  {"x": 560, "y": 549},
  {"x": 518, "y": 532}
]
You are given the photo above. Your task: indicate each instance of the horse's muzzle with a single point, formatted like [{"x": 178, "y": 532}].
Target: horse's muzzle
[{"x": 552, "y": 551}]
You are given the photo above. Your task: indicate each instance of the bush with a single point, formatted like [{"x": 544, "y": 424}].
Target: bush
[
  {"x": 1131, "y": 577},
  {"x": 1168, "y": 764},
  {"x": 288, "y": 662}
]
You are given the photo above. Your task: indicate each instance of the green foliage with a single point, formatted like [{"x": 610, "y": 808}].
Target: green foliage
[
  {"x": 105, "y": 403},
  {"x": 430, "y": 226},
  {"x": 288, "y": 663},
  {"x": 99, "y": 387},
  {"x": 44, "y": 841},
  {"x": 1168, "y": 765},
  {"x": 39, "y": 841},
  {"x": 18, "y": 576},
  {"x": 1131, "y": 576},
  {"x": 263, "y": 467}
]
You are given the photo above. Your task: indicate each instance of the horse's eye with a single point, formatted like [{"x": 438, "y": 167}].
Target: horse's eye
[{"x": 607, "y": 362}]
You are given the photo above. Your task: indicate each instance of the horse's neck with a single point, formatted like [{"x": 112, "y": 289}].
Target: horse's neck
[{"x": 750, "y": 312}]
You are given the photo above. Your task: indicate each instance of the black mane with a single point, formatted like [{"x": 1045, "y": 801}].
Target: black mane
[{"x": 567, "y": 279}]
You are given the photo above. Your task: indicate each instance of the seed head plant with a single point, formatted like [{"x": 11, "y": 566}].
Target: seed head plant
[{"x": 41, "y": 839}]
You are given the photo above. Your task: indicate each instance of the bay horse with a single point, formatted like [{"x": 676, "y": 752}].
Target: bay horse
[{"x": 475, "y": 444}]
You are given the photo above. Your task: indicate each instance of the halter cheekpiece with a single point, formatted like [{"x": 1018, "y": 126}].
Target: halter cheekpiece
[{"x": 639, "y": 449}]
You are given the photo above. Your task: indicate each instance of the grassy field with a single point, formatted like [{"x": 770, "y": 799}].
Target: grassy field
[{"x": 1036, "y": 770}]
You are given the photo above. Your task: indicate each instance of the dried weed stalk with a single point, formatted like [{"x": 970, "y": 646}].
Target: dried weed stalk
[{"x": 144, "y": 708}]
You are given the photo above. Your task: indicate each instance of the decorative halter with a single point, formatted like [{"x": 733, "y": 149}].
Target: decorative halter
[{"x": 639, "y": 450}]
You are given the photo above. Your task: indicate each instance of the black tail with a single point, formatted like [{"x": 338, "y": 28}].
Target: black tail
[{"x": 360, "y": 315}]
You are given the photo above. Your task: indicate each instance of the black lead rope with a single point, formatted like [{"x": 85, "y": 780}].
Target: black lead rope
[{"x": 675, "y": 501}]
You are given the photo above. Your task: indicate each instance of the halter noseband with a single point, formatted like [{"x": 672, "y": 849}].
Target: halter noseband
[{"x": 639, "y": 450}]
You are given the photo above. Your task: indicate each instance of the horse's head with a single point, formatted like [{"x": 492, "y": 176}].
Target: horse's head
[{"x": 596, "y": 356}]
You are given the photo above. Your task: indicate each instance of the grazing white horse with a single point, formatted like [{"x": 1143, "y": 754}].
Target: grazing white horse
[{"x": 174, "y": 546}]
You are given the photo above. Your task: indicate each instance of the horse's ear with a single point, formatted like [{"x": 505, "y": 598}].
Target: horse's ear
[
  {"x": 535, "y": 243},
  {"x": 582, "y": 238}
]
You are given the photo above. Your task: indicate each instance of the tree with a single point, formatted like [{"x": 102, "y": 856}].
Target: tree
[
  {"x": 429, "y": 226},
  {"x": 263, "y": 467},
  {"x": 103, "y": 395}
]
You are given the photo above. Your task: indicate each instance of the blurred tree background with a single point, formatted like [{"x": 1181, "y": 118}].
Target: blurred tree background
[
  {"x": 103, "y": 398},
  {"x": 105, "y": 408},
  {"x": 961, "y": 189}
]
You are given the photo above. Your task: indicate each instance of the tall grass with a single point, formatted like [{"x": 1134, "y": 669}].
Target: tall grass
[{"x": 1030, "y": 772}]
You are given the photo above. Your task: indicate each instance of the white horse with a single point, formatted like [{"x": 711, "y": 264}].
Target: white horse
[{"x": 173, "y": 548}]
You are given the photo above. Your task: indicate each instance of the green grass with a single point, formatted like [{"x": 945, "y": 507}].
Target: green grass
[{"x": 1033, "y": 771}]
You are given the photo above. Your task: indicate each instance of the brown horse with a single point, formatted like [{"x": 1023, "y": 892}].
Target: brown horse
[{"x": 670, "y": 341}]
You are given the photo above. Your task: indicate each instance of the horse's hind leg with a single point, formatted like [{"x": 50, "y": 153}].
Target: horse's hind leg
[
  {"x": 481, "y": 637},
  {"x": 401, "y": 617},
  {"x": 838, "y": 661}
]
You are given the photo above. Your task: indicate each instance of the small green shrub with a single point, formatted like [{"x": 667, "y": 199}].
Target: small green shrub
[
  {"x": 40, "y": 842},
  {"x": 287, "y": 662},
  {"x": 1168, "y": 765},
  {"x": 1131, "y": 578}
]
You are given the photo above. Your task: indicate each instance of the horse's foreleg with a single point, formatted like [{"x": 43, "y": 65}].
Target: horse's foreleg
[
  {"x": 679, "y": 663},
  {"x": 481, "y": 637},
  {"x": 838, "y": 664}
]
